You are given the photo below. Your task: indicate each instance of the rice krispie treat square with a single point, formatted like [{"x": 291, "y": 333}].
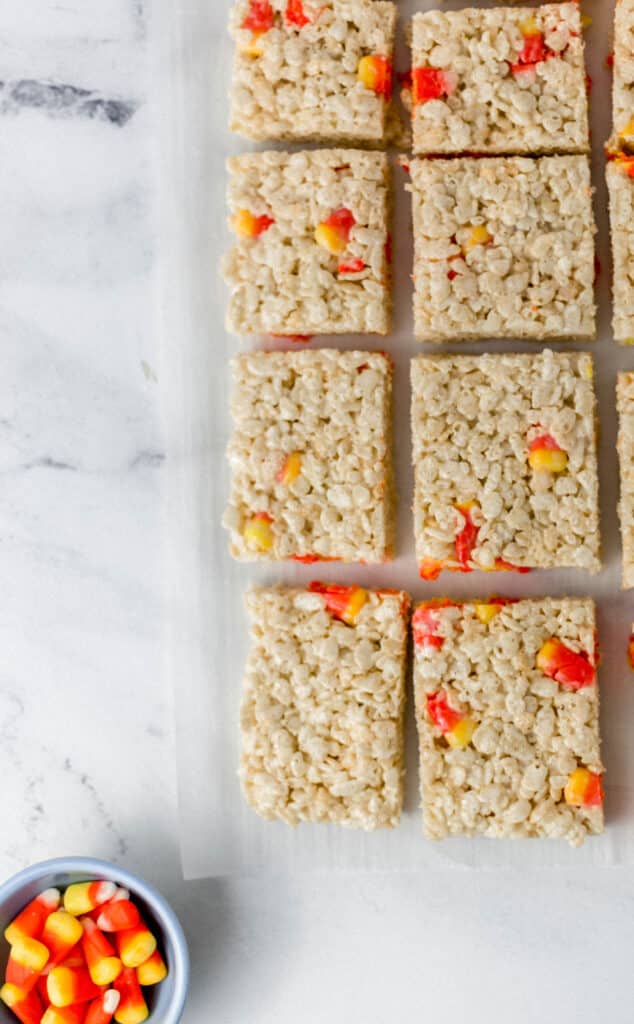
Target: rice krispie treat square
[
  {"x": 507, "y": 707},
  {"x": 307, "y": 71},
  {"x": 620, "y": 179},
  {"x": 625, "y": 445},
  {"x": 312, "y": 255},
  {"x": 323, "y": 704},
  {"x": 623, "y": 80},
  {"x": 311, "y": 457},
  {"x": 504, "y": 248},
  {"x": 505, "y": 463},
  {"x": 510, "y": 80}
]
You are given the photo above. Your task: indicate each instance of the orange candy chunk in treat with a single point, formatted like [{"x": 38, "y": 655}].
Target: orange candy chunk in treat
[
  {"x": 456, "y": 727},
  {"x": 333, "y": 233},
  {"x": 30, "y": 922},
  {"x": 430, "y": 568},
  {"x": 69, "y": 985},
  {"x": 376, "y": 73},
  {"x": 86, "y": 896},
  {"x": 351, "y": 266},
  {"x": 103, "y": 965},
  {"x": 258, "y": 533},
  {"x": 584, "y": 789},
  {"x": 343, "y": 603},
  {"x": 467, "y": 538},
  {"x": 295, "y": 14},
  {"x": 572, "y": 670},
  {"x": 153, "y": 971},
  {"x": 61, "y": 932},
  {"x": 426, "y": 623},
  {"x": 630, "y": 651},
  {"x": 27, "y": 960},
  {"x": 135, "y": 945},
  {"x": 102, "y": 1009},
  {"x": 432, "y": 84},
  {"x": 290, "y": 470},
  {"x": 27, "y": 1006},
  {"x": 132, "y": 1008},
  {"x": 247, "y": 225},
  {"x": 260, "y": 18},
  {"x": 545, "y": 454}
]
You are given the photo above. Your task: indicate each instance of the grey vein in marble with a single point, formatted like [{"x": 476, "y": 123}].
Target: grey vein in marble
[{"x": 59, "y": 100}]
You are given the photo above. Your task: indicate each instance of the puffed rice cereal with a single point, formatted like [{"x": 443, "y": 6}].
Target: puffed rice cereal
[
  {"x": 322, "y": 711},
  {"x": 620, "y": 179},
  {"x": 312, "y": 253},
  {"x": 507, "y": 707},
  {"x": 623, "y": 80},
  {"x": 505, "y": 463},
  {"x": 625, "y": 445},
  {"x": 504, "y": 248}
]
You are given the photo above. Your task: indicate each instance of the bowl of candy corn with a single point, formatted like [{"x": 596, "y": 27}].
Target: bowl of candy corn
[{"x": 83, "y": 941}]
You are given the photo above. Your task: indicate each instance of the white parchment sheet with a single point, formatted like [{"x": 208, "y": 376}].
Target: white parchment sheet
[{"x": 207, "y": 626}]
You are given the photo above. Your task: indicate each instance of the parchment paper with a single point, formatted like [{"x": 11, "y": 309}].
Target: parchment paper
[{"x": 207, "y": 627}]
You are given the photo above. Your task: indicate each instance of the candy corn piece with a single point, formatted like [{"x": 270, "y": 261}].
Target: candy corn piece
[
  {"x": 467, "y": 538},
  {"x": 630, "y": 651},
  {"x": 545, "y": 454},
  {"x": 456, "y": 727},
  {"x": 30, "y": 921},
  {"x": 68, "y": 985},
  {"x": 153, "y": 971},
  {"x": 258, "y": 533},
  {"x": 432, "y": 84},
  {"x": 132, "y": 1008},
  {"x": 103, "y": 965},
  {"x": 135, "y": 945},
  {"x": 86, "y": 896},
  {"x": 430, "y": 568},
  {"x": 375, "y": 73},
  {"x": 118, "y": 915},
  {"x": 333, "y": 233},
  {"x": 247, "y": 225},
  {"x": 584, "y": 789},
  {"x": 101, "y": 1010},
  {"x": 295, "y": 14},
  {"x": 65, "y": 1014},
  {"x": 290, "y": 470},
  {"x": 27, "y": 1006},
  {"x": 27, "y": 960},
  {"x": 61, "y": 932},
  {"x": 486, "y": 611},
  {"x": 426, "y": 623},
  {"x": 572, "y": 670},
  {"x": 479, "y": 236},
  {"x": 343, "y": 603},
  {"x": 261, "y": 17}
]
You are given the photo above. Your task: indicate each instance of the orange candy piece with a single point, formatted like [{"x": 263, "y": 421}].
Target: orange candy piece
[
  {"x": 260, "y": 18},
  {"x": 630, "y": 651},
  {"x": 69, "y": 985},
  {"x": 333, "y": 233},
  {"x": 430, "y": 568},
  {"x": 295, "y": 14},
  {"x": 118, "y": 915},
  {"x": 153, "y": 971},
  {"x": 467, "y": 538},
  {"x": 83, "y": 897},
  {"x": 30, "y": 922},
  {"x": 544, "y": 453},
  {"x": 571, "y": 669},
  {"x": 27, "y": 1007},
  {"x": 432, "y": 84},
  {"x": 102, "y": 1010},
  {"x": 247, "y": 225},
  {"x": 103, "y": 965},
  {"x": 426, "y": 622},
  {"x": 27, "y": 960},
  {"x": 584, "y": 789},
  {"x": 135, "y": 945},
  {"x": 65, "y": 1014},
  {"x": 343, "y": 603},
  {"x": 61, "y": 932},
  {"x": 132, "y": 1008},
  {"x": 456, "y": 727},
  {"x": 376, "y": 73},
  {"x": 290, "y": 470}
]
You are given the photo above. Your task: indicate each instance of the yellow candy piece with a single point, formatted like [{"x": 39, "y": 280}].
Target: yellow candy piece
[
  {"x": 485, "y": 612},
  {"x": 578, "y": 787},
  {"x": 258, "y": 533},
  {"x": 529, "y": 27},
  {"x": 586, "y": 21},
  {"x": 629, "y": 341},
  {"x": 478, "y": 236},
  {"x": 357, "y": 600},
  {"x": 331, "y": 238},
  {"x": 461, "y": 734},
  {"x": 366, "y": 72},
  {"x": 548, "y": 460},
  {"x": 291, "y": 469},
  {"x": 587, "y": 368},
  {"x": 244, "y": 224}
]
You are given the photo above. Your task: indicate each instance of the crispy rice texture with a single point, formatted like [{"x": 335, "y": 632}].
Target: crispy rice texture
[
  {"x": 531, "y": 732},
  {"x": 499, "y": 105},
  {"x": 284, "y": 282},
  {"x": 473, "y": 419},
  {"x": 333, "y": 409},
  {"x": 623, "y": 79},
  {"x": 621, "y": 193},
  {"x": 625, "y": 445},
  {"x": 532, "y": 274},
  {"x": 322, "y": 711},
  {"x": 301, "y": 84}
]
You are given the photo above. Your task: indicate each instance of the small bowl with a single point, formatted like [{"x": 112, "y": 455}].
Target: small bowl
[{"x": 166, "y": 1000}]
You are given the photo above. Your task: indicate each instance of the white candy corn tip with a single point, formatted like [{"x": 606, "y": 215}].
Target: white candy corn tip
[
  {"x": 106, "y": 892},
  {"x": 51, "y": 898},
  {"x": 120, "y": 894},
  {"x": 110, "y": 1001}
]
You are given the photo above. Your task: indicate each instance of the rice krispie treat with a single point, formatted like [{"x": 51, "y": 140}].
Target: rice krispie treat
[
  {"x": 504, "y": 248},
  {"x": 620, "y": 179},
  {"x": 623, "y": 81},
  {"x": 507, "y": 707},
  {"x": 311, "y": 457},
  {"x": 312, "y": 255},
  {"x": 322, "y": 711},
  {"x": 504, "y": 450},
  {"x": 625, "y": 445},
  {"x": 499, "y": 81},
  {"x": 311, "y": 71}
]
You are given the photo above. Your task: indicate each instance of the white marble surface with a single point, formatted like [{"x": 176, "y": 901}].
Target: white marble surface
[{"x": 86, "y": 749}]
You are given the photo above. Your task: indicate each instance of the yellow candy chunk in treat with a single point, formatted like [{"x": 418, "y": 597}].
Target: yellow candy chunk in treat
[
  {"x": 552, "y": 462},
  {"x": 328, "y": 237},
  {"x": 583, "y": 789},
  {"x": 529, "y": 27},
  {"x": 291, "y": 469},
  {"x": 478, "y": 236},
  {"x": 258, "y": 532},
  {"x": 485, "y": 612},
  {"x": 462, "y": 733}
]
